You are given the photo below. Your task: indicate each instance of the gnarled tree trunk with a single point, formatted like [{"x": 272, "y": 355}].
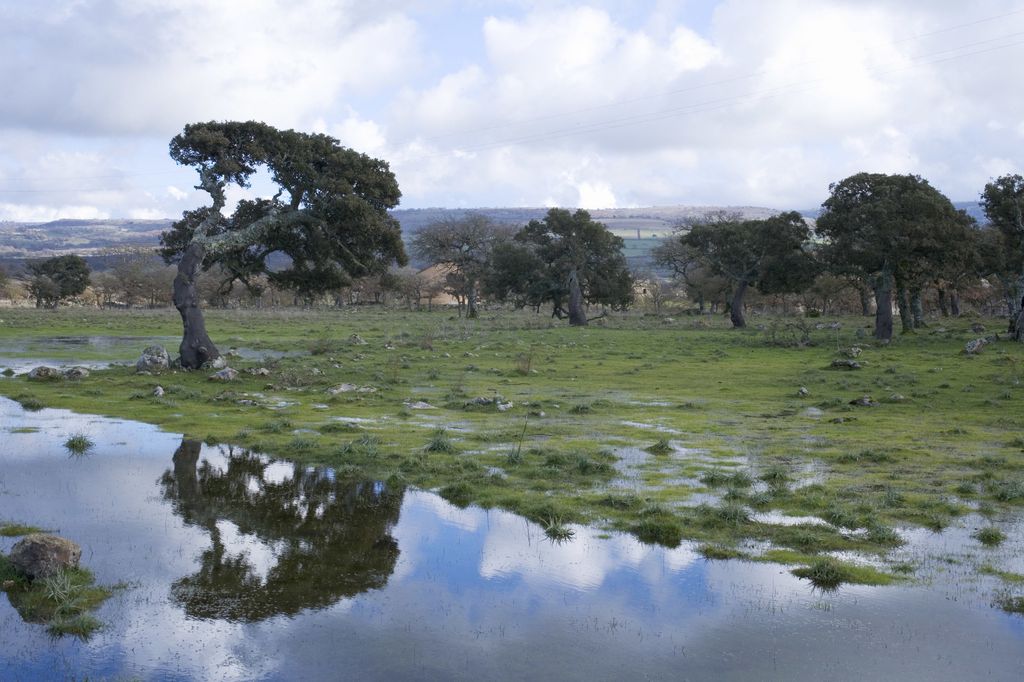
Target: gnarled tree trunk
[
  {"x": 917, "y": 308},
  {"x": 883, "y": 306},
  {"x": 736, "y": 307},
  {"x": 865, "y": 301},
  {"x": 943, "y": 307},
  {"x": 903, "y": 304},
  {"x": 577, "y": 316},
  {"x": 471, "y": 311},
  {"x": 954, "y": 303},
  {"x": 196, "y": 347}
]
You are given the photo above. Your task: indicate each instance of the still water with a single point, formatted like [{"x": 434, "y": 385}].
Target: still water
[{"x": 243, "y": 568}]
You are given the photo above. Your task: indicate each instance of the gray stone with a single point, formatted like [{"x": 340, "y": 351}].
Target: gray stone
[
  {"x": 343, "y": 388},
  {"x": 158, "y": 392},
  {"x": 978, "y": 328},
  {"x": 803, "y": 392},
  {"x": 44, "y": 373},
  {"x": 420, "y": 405},
  {"x": 864, "y": 401},
  {"x": 845, "y": 364},
  {"x": 258, "y": 371},
  {"x": 852, "y": 351},
  {"x": 226, "y": 374},
  {"x": 76, "y": 373},
  {"x": 153, "y": 359},
  {"x": 356, "y": 340},
  {"x": 40, "y": 555},
  {"x": 975, "y": 346},
  {"x": 219, "y": 362}
]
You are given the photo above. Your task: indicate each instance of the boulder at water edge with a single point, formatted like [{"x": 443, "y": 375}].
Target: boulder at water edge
[
  {"x": 40, "y": 555},
  {"x": 44, "y": 373}
]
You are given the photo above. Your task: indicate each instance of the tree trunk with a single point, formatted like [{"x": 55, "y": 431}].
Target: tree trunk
[
  {"x": 883, "y": 307},
  {"x": 903, "y": 305},
  {"x": 917, "y": 308},
  {"x": 196, "y": 347},
  {"x": 736, "y": 307},
  {"x": 577, "y": 316},
  {"x": 1017, "y": 327},
  {"x": 943, "y": 307},
  {"x": 471, "y": 299},
  {"x": 865, "y": 300},
  {"x": 954, "y": 302}
]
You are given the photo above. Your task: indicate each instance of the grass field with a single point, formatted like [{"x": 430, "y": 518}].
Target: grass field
[{"x": 668, "y": 428}]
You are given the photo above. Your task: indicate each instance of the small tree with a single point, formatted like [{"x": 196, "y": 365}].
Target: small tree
[
  {"x": 57, "y": 279},
  {"x": 567, "y": 259},
  {"x": 465, "y": 246},
  {"x": 329, "y": 217},
  {"x": 1003, "y": 202},
  {"x": 768, "y": 254}
]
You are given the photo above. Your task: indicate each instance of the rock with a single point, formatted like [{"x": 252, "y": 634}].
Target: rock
[
  {"x": 366, "y": 389},
  {"x": 505, "y": 407},
  {"x": 44, "y": 373},
  {"x": 803, "y": 392},
  {"x": 845, "y": 364},
  {"x": 226, "y": 374},
  {"x": 356, "y": 340},
  {"x": 975, "y": 346},
  {"x": 978, "y": 328},
  {"x": 896, "y": 398},
  {"x": 864, "y": 401},
  {"x": 814, "y": 413},
  {"x": 852, "y": 351},
  {"x": 76, "y": 373},
  {"x": 153, "y": 359},
  {"x": 420, "y": 405},
  {"x": 219, "y": 362},
  {"x": 232, "y": 353},
  {"x": 835, "y": 325},
  {"x": 40, "y": 555},
  {"x": 258, "y": 371},
  {"x": 343, "y": 388},
  {"x": 158, "y": 392}
]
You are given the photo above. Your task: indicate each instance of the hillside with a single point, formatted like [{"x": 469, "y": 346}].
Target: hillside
[{"x": 642, "y": 228}]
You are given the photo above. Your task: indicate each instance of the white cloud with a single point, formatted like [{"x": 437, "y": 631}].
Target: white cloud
[{"x": 517, "y": 103}]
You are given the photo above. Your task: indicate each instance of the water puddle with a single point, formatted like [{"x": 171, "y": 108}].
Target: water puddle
[
  {"x": 245, "y": 568},
  {"x": 101, "y": 352}
]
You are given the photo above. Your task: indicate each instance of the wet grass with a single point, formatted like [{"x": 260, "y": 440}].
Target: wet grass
[
  {"x": 78, "y": 444},
  {"x": 13, "y": 530},
  {"x": 829, "y": 574},
  {"x": 743, "y": 436},
  {"x": 63, "y": 601}
]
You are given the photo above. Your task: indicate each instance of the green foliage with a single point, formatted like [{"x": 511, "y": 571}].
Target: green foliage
[
  {"x": 56, "y": 279},
  {"x": 330, "y": 217},
  {"x": 769, "y": 254},
  {"x": 536, "y": 267}
]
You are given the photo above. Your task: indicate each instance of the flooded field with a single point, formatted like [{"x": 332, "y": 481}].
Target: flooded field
[{"x": 238, "y": 567}]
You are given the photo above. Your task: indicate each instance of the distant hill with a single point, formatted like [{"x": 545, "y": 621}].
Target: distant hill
[{"x": 641, "y": 228}]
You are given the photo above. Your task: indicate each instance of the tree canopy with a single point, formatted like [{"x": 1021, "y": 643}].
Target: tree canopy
[
  {"x": 1003, "y": 202},
  {"x": 328, "y": 218},
  {"x": 464, "y": 245},
  {"x": 769, "y": 254},
  {"x": 566, "y": 259},
  {"x": 56, "y": 279},
  {"x": 891, "y": 230}
]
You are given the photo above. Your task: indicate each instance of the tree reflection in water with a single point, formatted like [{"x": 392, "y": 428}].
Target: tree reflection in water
[{"x": 330, "y": 537}]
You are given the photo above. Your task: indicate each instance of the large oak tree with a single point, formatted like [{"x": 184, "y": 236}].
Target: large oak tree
[
  {"x": 895, "y": 231},
  {"x": 328, "y": 218}
]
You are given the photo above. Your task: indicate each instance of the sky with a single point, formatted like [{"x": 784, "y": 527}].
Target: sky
[{"x": 475, "y": 103}]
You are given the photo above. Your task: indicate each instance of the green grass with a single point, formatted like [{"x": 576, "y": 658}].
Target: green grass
[
  {"x": 730, "y": 396},
  {"x": 13, "y": 530},
  {"x": 78, "y": 444},
  {"x": 990, "y": 536},
  {"x": 63, "y": 601},
  {"x": 828, "y": 573}
]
